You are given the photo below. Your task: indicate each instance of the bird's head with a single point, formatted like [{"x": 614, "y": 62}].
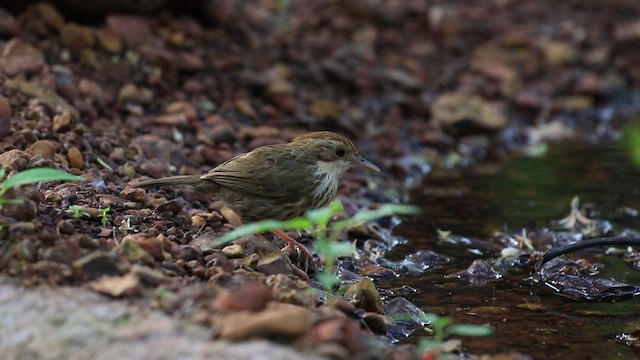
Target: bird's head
[{"x": 334, "y": 153}]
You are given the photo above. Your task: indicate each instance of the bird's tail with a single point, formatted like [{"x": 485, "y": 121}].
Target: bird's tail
[{"x": 168, "y": 181}]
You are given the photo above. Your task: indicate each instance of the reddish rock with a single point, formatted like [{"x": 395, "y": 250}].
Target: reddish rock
[{"x": 20, "y": 57}]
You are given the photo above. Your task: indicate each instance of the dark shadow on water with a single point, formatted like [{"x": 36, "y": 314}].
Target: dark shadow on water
[{"x": 527, "y": 319}]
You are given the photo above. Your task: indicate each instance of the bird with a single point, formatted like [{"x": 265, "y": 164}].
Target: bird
[{"x": 280, "y": 181}]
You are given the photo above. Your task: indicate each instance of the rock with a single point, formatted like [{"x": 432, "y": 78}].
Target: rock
[
  {"x": 20, "y": 57},
  {"x": 95, "y": 265},
  {"x": 133, "y": 30},
  {"x": 76, "y": 160},
  {"x": 25, "y": 211},
  {"x": 44, "y": 95},
  {"x": 149, "y": 276},
  {"x": 277, "y": 320},
  {"x": 325, "y": 110},
  {"x": 558, "y": 52},
  {"x": 109, "y": 41},
  {"x": 233, "y": 251},
  {"x": 5, "y": 116},
  {"x": 44, "y": 148},
  {"x": 343, "y": 332},
  {"x": 62, "y": 122},
  {"x": 453, "y": 108},
  {"x": 134, "y": 194},
  {"x": 252, "y": 296},
  {"x": 132, "y": 251},
  {"x": 173, "y": 206},
  {"x": 364, "y": 295},
  {"x": 14, "y": 160},
  {"x": 118, "y": 286},
  {"x": 628, "y": 31},
  {"x": 77, "y": 37}
]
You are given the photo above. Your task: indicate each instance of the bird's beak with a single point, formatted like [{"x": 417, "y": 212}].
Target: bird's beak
[{"x": 360, "y": 161}]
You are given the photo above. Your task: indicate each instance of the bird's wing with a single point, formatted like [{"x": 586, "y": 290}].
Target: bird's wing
[{"x": 244, "y": 174}]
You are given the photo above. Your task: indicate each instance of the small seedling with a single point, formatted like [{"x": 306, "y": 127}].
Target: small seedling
[
  {"x": 77, "y": 211},
  {"x": 443, "y": 327},
  {"x": 31, "y": 176},
  {"x": 104, "y": 215}
]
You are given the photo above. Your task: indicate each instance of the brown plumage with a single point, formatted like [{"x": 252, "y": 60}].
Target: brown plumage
[{"x": 278, "y": 181}]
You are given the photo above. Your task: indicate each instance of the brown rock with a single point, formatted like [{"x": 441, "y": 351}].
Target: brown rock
[
  {"x": 247, "y": 297},
  {"x": 134, "y": 194},
  {"x": 77, "y": 37},
  {"x": 118, "y": 286},
  {"x": 44, "y": 148},
  {"x": 44, "y": 95},
  {"x": 109, "y": 41},
  {"x": 76, "y": 159},
  {"x": 558, "y": 52},
  {"x": 20, "y": 57},
  {"x": 455, "y": 107},
  {"x": 5, "y": 117},
  {"x": 62, "y": 122},
  {"x": 14, "y": 160},
  {"x": 364, "y": 295},
  {"x": 132, "y": 251},
  {"x": 96, "y": 264},
  {"x": 277, "y": 320}
]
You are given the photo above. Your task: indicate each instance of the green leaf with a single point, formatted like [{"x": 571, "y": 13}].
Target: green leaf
[
  {"x": 299, "y": 223},
  {"x": 341, "y": 249},
  {"x": 470, "y": 330},
  {"x": 33, "y": 176},
  {"x": 327, "y": 279},
  {"x": 323, "y": 215},
  {"x": 382, "y": 211}
]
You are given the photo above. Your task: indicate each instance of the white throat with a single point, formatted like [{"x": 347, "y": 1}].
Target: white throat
[{"x": 329, "y": 174}]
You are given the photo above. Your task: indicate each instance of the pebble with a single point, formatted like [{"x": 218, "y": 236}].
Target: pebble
[
  {"x": 76, "y": 159},
  {"x": 76, "y": 37},
  {"x": 20, "y": 57},
  {"x": 95, "y": 265},
  {"x": 44, "y": 148},
  {"x": 14, "y": 160}
]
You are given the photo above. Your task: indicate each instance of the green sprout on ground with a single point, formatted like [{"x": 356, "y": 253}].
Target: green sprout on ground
[
  {"x": 442, "y": 328},
  {"x": 31, "y": 176},
  {"x": 77, "y": 211},
  {"x": 325, "y": 232},
  {"x": 104, "y": 215}
]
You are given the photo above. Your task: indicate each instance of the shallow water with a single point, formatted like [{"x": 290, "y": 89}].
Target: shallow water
[{"x": 527, "y": 318}]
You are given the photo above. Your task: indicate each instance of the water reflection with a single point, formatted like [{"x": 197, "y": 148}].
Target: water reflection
[{"x": 501, "y": 197}]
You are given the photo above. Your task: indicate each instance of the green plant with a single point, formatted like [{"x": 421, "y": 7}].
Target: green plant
[
  {"x": 31, "y": 176},
  {"x": 443, "y": 327},
  {"x": 324, "y": 232},
  {"x": 77, "y": 211},
  {"x": 104, "y": 215}
]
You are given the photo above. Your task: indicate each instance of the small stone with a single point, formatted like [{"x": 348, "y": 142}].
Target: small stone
[
  {"x": 149, "y": 276},
  {"x": 95, "y": 265},
  {"x": 20, "y": 57},
  {"x": 25, "y": 211},
  {"x": 118, "y": 286},
  {"x": 173, "y": 206},
  {"x": 14, "y": 160},
  {"x": 247, "y": 297},
  {"x": 558, "y": 52},
  {"x": 76, "y": 159},
  {"x": 233, "y": 251},
  {"x": 364, "y": 295},
  {"x": 198, "y": 221},
  {"x": 76, "y": 37},
  {"x": 186, "y": 253},
  {"x": 133, "y": 252},
  {"x": 5, "y": 116},
  {"x": 453, "y": 108},
  {"x": 134, "y": 194},
  {"x": 62, "y": 122},
  {"x": 277, "y": 320},
  {"x": 44, "y": 148},
  {"x": 109, "y": 41}
]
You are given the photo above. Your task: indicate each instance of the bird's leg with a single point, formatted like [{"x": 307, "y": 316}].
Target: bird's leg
[{"x": 294, "y": 245}]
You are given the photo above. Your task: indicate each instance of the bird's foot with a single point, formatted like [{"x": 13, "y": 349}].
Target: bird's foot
[{"x": 304, "y": 256}]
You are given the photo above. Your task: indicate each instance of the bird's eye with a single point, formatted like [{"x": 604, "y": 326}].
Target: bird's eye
[{"x": 340, "y": 152}]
